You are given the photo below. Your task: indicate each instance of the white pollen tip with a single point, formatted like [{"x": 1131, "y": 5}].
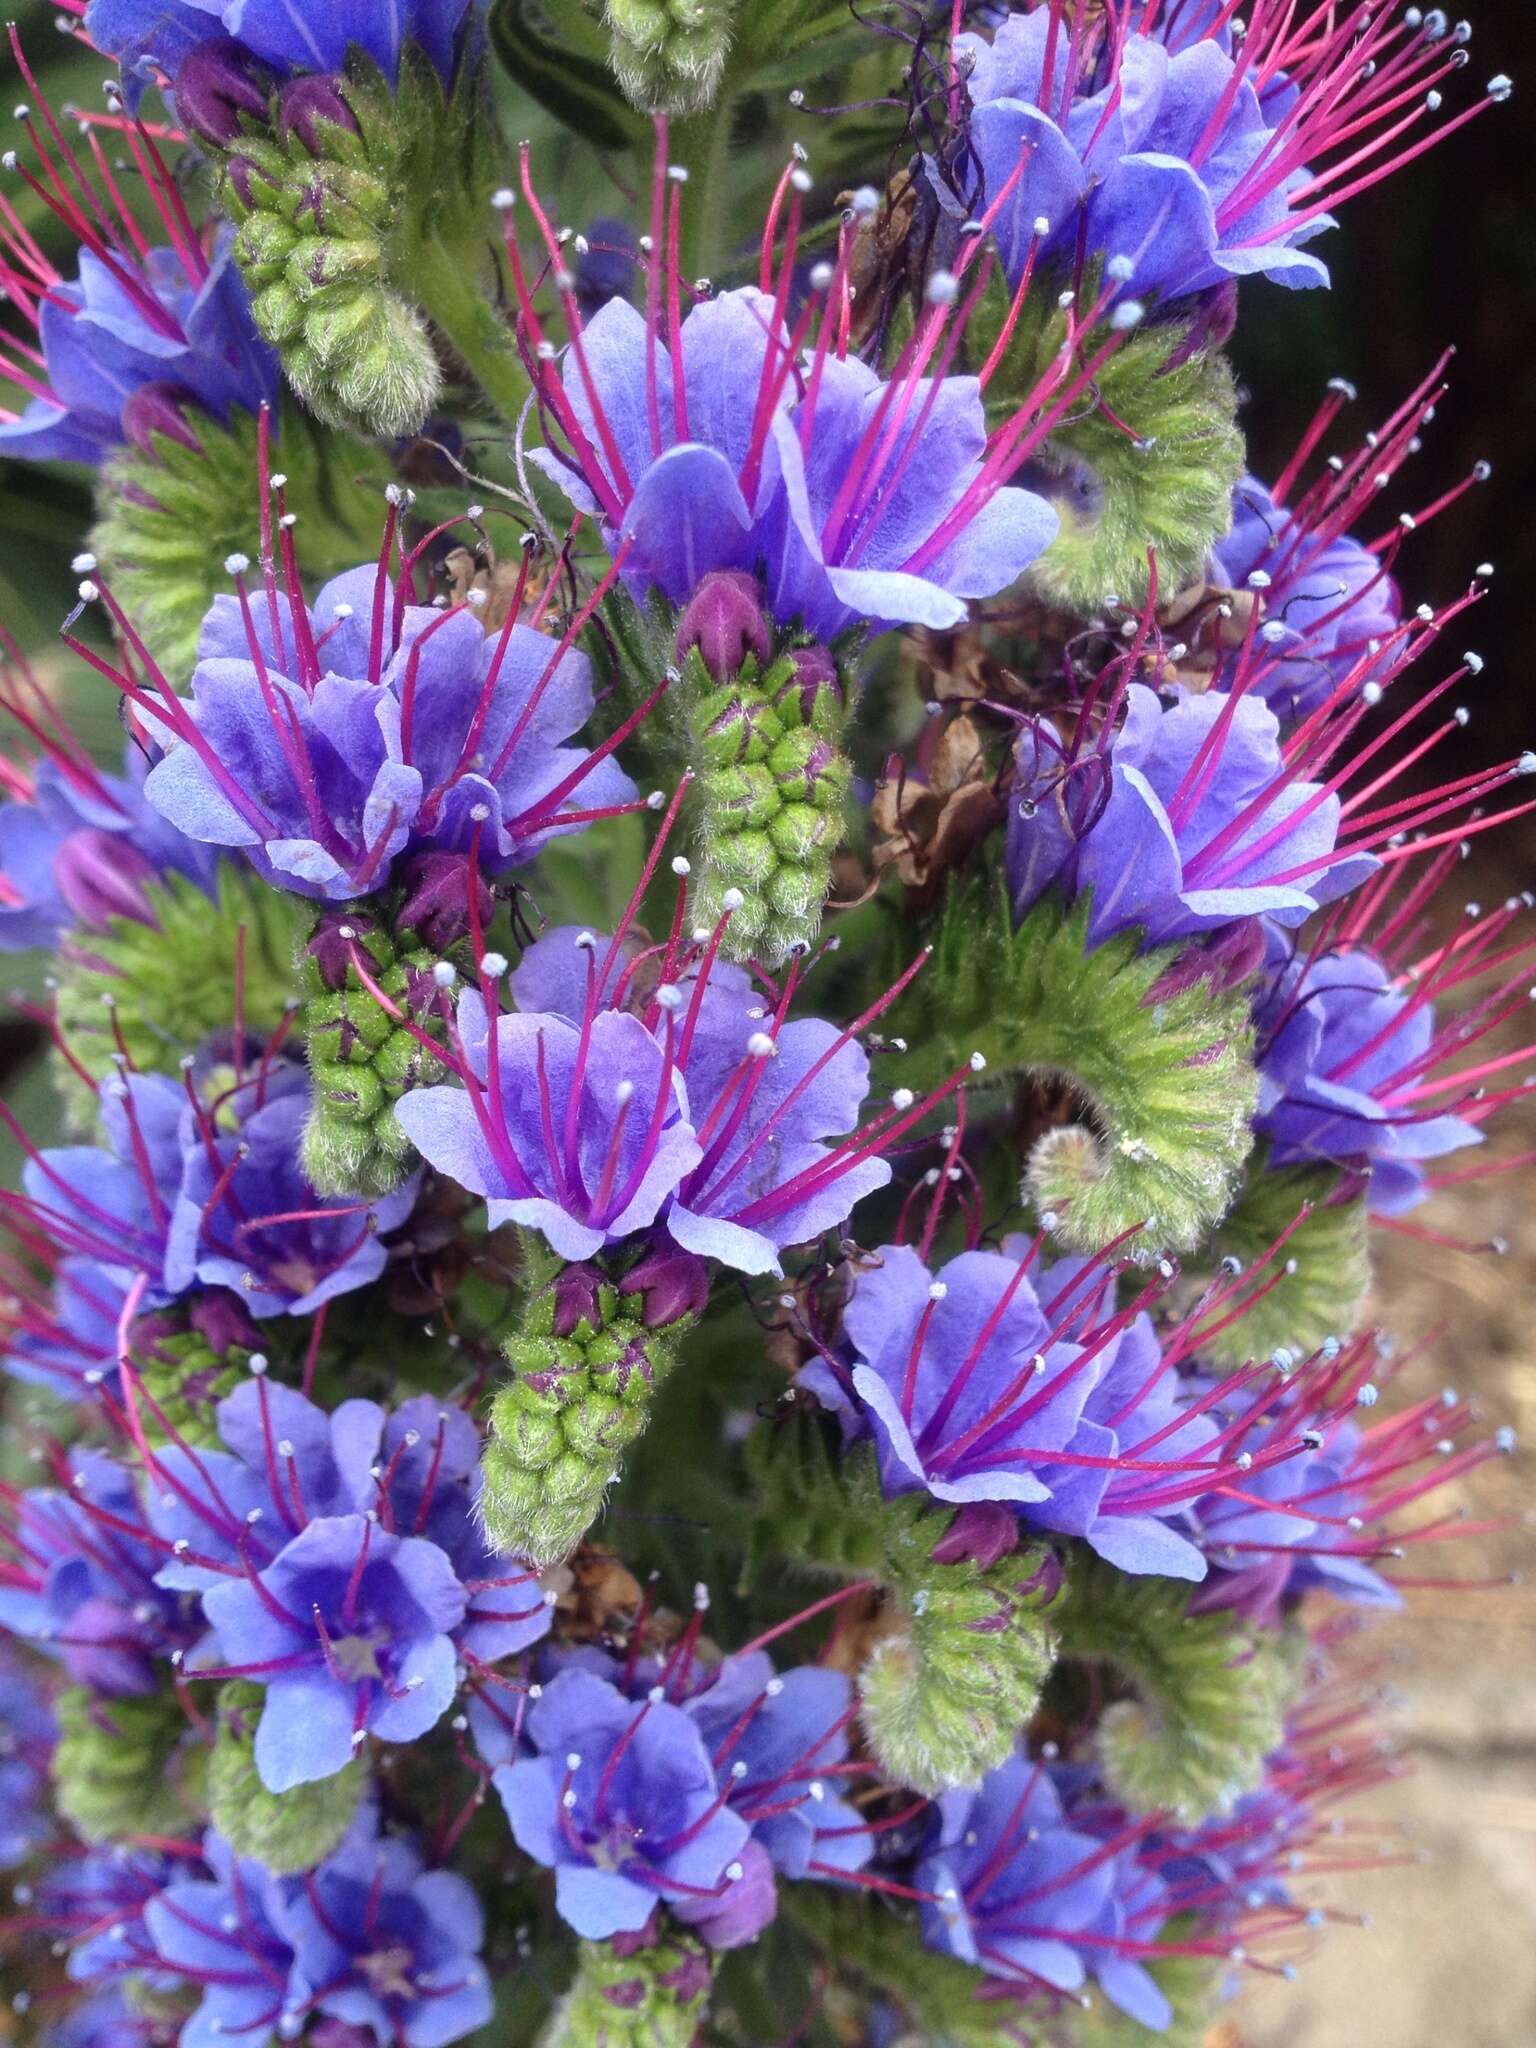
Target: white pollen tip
[{"x": 761, "y": 1046}]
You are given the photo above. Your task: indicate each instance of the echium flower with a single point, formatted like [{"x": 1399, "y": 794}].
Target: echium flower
[
  {"x": 144, "y": 340},
  {"x": 343, "y": 1565},
  {"x": 1331, "y": 621},
  {"x": 1159, "y": 146},
  {"x": 635, "y": 1085},
  {"x": 1013, "y": 1887},
  {"x": 330, "y": 743},
  {"x": 27, "y": 1734},
  {"x": 153, "y": 38},
  {"x": 717, "y": 438},
  {"x": 1326, "y": 1514},
  {"x": 77, "y": 1565},
  {"x": 998, "y": 1381},
  {"x": 622, "y": 1800},
  {"x": 218, "y": 1930}
]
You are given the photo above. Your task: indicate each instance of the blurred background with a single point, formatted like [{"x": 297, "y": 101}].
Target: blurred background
[{"x": 1444, "y": 255}]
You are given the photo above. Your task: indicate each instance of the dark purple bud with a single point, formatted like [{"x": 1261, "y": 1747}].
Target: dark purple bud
[
  {"x": 221, "y": 1320},
  {"x": 983, "y": 1531},
  {"x": 1226, "y": 962},
  {"x": 244, "y": 176},
  {"x": 165, "y": 409},
  {"x": 1215, "y": 318},
  {"x": 815, "y": 671},
  {"x": 692, "y": 1977},
  {"x": 438, "y": 889},
  {"x": 307, "y": 106},
  {"x": 576, "y": 1292},
  {"x": 220, "y": 89},
  {"x": 724, "y": 620},
  {"x": 100, "y": 876},
  {"x": 605, "y": 269},
  {"x": 743, "y": 1909},
  {"x": 334, "y": 941},
  {"x": 671, "y": 1283}
]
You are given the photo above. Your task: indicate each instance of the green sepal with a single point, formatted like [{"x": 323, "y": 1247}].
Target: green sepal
[
  {"x": 163, "y": 988},
  {"x": 120, "y": 1766},
  {"x": 650, "y": 1998},
  {"x": 1162, "y": 1069},
  {"x": 1209, "y": 1694},
  {"x": 560, "y": 1427},
  {"x": 183, "y": 1380},
  {"x": 1324, "y": 1265},
  {"x": 1164, "y": 487},
  {"x": 286, "y": 1832},
  {"x": 669, "y": 55},
  {"x": 948, "y": 1688}
]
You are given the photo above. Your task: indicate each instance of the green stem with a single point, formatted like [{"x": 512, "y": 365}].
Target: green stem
[
  {"x": 701, "y": 144},
  {"x": 449, "y": 283}
]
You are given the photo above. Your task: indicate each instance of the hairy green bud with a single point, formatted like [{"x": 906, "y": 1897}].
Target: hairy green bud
[
  {"x": 585, "y": 1368},
  {"x": 772, "y": 782},
  {"x": 361, "y": 1058},
  {"x": 669, "y": 55},
  {"x": 1324, "y": 1265},
  {"x": 171, "y": 515},
  {"x": 285, "y": 1832},
  {"x": 117, "y": 1767},
  {"x": 947, "y": 1690},
  {"x": 650, "y": 1998},
  {"x": 156, "y": 987},
  {"x": 183, "y": 1380},
  {"x": 1210, "y": 1694},
  {"x": 1161, "y": 1067}
]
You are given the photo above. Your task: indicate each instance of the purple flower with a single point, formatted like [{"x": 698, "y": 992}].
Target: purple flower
[
  {"x": 77, "y": 1579},
  {"x": 1163, "y": 160},
  {"x": 150, "y": 36},
  {"x": 246, "y": 1217},
  {"x": 105, "y": 2020},
  {"x": 93, "y": 1906},
  {"x": 350, "y": 1627},
  {"x": 857, "y": 502},
  {"x": 981, "y": 1385},
  {"x": 385, "y": 1945},
  {"x": 173, "y": 323},
  {"x": 1025, "y": 1896},
  {"x": 328, "y": 743},
  {"x": 1329, "y": 606},
  {"x": 1184, "y": 820},
  {"x": 221, "y": 1934},
  {"x": 26, "y": 1742},
  {"x": 1347, "y": 1057},
  {"x": 68, "y": 1341},
  {"x": 697, "y": 1108},
  {"x": 622, "y": 1801}
]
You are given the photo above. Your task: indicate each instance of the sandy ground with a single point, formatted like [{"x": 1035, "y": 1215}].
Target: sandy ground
[{"x": 1449, "y": 1960}]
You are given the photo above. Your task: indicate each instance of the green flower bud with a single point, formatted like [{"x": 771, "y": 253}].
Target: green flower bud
[
  {"x": 1324, "y": 1267},
  {"x": 1162, "y": 1068},
  {"x": 119, "y": 1767},
  {"x": 161, "y": 987},
  {"x": 361, "y": 1058},
  {"x": 285, "y": 1832},
  {"x": 669, "y": 55},
  {"x": 184, "y": 1380},
  {"x": 771, "y": 789},
  {"x": 1210, "y": 1695},
  {"x": 586, "y": 1363},
  {"x": 650, "y": 1998}
]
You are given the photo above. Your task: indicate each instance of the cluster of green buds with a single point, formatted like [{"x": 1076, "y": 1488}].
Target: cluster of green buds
[
  {"x": 284, "y": 1833},
  {"x": 669, "y": 55},
  {"x": 765, "y": 717},
  {"x": 370, "y": 977},
  {"x": 124, "y": 1766},
  {"x": 189, "y": 1358},
  {"x": 965, "y": 1638},
  {"x": 634, "y": 1997},
  {"x": 586, "y": 1361},
  {"x": 342, "y": 188}
]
